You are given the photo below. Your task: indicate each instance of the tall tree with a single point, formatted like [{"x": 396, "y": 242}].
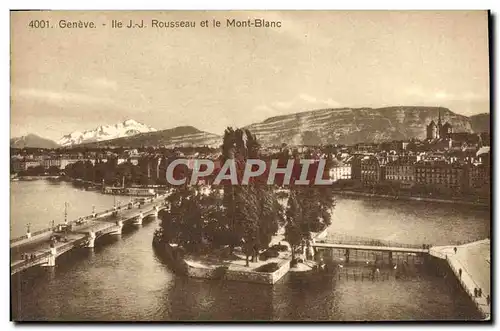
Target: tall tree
[
  {"x": 229, "y": 199},
  {"x": 294, "y": 221},
  {"x": 246, "y": 221}
]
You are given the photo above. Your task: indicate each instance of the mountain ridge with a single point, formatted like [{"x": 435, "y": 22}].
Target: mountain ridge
[
  {"x": 354, "y": 125},
  {"x": 321, "y": 126},
  {"x": 32, "y": 141},
  {"x": 480, "y": 122}
]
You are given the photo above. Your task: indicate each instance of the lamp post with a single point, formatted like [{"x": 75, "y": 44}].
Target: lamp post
[{"x": 66, "y": 213}]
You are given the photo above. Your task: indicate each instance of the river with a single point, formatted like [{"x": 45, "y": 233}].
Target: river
[{"x": 122, "y": 279}]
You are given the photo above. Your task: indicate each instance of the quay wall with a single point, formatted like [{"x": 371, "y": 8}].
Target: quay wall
[
  {"x": 444, "y": 255},
  {"x": 467, "y": 284},
  {"x": 413, "y": 198},
  {"x": 195, "y": 270}
]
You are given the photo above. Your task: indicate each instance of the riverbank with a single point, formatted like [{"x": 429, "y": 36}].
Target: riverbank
[
  {"x": 29, "y": 178},
  {"x": 471, "y": 265},
  {"x": 412, "y": 198}
]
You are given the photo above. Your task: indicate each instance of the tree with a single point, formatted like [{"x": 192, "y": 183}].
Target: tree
[
  {"x": 212, "y": 214},
  {"x": 294, "y": 219},
  {"x": 252, "y": 211},
  {"x": 183, "y": 224},
  {"x": 237, "y": 215},
  {"x": 309, "y": 210},
  {"x": 229, "y": 198},
  {"x": 246, "y": 219},
  {"x": 270, "y": 217}
]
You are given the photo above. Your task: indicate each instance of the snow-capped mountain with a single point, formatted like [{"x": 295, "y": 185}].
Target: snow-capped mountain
[{"x": 127, "y": 128}]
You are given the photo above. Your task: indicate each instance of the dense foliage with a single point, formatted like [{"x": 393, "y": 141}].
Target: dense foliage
[{"x": 230, "y": 215}]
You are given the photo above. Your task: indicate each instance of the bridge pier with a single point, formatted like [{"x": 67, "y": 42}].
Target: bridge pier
[
  {"x": 119, "y": 227},
  {"x": 138, "y": 220},
  {"x": 347, "y": 253},
  {"x": 390, "y": 258},
  {"x": 51, "y": 260},
  {"x": 91, "y": 239}
]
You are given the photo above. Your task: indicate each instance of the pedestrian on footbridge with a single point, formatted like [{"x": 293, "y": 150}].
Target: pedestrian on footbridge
[
  {"x": 460, "y": 272},
  {"x": 475, "y": 292},
  {"x": 455, "y": 249}
]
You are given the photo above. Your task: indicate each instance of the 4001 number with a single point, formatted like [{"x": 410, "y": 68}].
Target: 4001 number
[{"x": 36, "y": 24}]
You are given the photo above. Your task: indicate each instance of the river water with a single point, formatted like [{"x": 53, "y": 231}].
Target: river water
[{"x": 123, "y": 279}]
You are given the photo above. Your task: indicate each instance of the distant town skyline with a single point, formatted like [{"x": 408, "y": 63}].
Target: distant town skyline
[{"x": 65, "y": 80}]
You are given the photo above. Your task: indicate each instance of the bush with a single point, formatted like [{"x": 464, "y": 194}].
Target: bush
[{"x": 270, "y": 267}]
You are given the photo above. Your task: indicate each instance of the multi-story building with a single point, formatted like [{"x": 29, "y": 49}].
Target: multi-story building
[
  {"x": 371, "y": 171},
  {"x": 479, "y": 176},
  {"x": 47, "y": 163},
  {"x": 440, "y": 174},
  {"x": 21, "y": 165},
  {"x": 355, "y": 167},
  {"x": 403, "y": 172},
  {"x": 17, "y": 165},
  {"x": 340, "y": 171},
  {"x": 25, "y": 165}
]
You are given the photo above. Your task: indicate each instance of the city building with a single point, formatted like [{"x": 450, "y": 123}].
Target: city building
[
  {"x": 479, "y": 177},
  {"x": 22, "y": 165},
  {"x": 402, "y": 172},
  {"x": 371, "y": 171},
  {"x": 340, "y": 171},
  {"x": 440, "y": 175}
]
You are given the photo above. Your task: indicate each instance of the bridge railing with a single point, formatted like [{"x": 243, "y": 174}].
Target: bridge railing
[
  {"x": 29, "y": 262},
  {"x": 351, "y": 240},
  {"x": 68, "y": 244},
  {"x": 14, "y": 240},
  {"x": 135, "y": 202},
  {"x": 33, "y": 234},
  {"x": 42, "y": 231}
]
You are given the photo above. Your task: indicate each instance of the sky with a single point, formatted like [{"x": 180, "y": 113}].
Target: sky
[{"x": 68, "y": 79}]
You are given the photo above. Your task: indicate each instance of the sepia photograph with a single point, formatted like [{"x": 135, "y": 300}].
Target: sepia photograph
[{"x": 249, "y": 166}]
